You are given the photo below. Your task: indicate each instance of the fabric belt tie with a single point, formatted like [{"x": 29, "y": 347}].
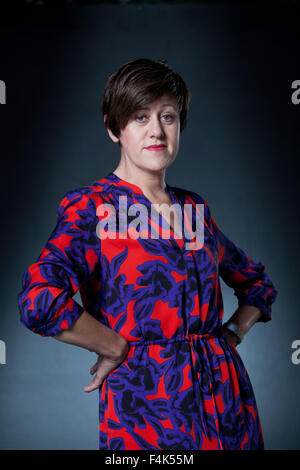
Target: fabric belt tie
[
  {"x": 188, "y": 337},
  {"x": 203, "y": 374}
]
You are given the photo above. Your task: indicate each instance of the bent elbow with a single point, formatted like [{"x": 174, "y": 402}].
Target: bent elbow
[
  {"x": 47, "y": 315},
  {"x": 31, "y": 317}
]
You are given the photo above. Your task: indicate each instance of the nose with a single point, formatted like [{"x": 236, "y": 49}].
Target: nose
[{"x": 155, "y": 127}]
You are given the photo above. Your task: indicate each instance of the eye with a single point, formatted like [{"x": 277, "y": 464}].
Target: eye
[
  {"x": 139, "y": 117},
  {"x": 166, "y": 117},
  {"x": 169, "y": 117}
]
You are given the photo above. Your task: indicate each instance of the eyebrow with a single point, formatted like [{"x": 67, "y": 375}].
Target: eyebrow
[{"x": 164, "y": 105}]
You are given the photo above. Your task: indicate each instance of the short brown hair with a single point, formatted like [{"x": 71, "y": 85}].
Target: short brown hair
[{"x": 136, "y": 84}]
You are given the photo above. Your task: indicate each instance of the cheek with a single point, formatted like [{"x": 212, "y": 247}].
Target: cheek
[
  {"x": 175, "y": 137},
  {"x": 131, "y": 139}
]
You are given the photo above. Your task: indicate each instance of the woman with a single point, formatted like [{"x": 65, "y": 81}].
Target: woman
[{"x": 168, "y": 372}]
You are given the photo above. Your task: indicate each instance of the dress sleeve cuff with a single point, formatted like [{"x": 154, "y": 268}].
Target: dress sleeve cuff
[
  {"x": 64, "y": 318},
  {"x": 257, "y": 302}
]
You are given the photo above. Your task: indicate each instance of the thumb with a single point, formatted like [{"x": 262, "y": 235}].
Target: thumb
[{"x": 93, "y": 368}]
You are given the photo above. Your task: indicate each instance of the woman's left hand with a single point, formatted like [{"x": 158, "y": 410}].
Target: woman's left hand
[{"x": 231, "y": 337}]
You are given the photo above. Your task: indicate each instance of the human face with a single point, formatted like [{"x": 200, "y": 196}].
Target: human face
[{"x": 157, "y": 124}]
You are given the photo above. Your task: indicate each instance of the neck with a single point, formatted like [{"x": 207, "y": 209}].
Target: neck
[{"x": 151, "y": 183}]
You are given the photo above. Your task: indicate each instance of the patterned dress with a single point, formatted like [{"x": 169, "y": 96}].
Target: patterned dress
[{"x": 182, "y": 385}]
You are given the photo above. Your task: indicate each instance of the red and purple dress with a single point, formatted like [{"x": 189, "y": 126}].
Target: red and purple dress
[{"x": 182, "y": 386}]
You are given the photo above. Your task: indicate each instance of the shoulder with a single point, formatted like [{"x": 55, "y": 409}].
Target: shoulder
[
  {"x": 81, "y": 198},
  {"x": 183, "y": 192},
  {"x": 188, "y": 195}
]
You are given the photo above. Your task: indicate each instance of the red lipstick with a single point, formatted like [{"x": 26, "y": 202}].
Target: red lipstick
[{"x": 156, "y": 148}]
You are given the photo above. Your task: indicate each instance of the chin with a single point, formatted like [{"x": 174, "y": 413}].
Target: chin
[
  {"x": 161, "y": 166},
  {"x": 158, "y": 169}
]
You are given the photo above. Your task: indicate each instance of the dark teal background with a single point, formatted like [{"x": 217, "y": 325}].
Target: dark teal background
[{"x": 240, "y": 152}]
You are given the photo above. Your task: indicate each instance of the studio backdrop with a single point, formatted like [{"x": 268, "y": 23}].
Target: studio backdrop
[{"x": 239, "y": 151}]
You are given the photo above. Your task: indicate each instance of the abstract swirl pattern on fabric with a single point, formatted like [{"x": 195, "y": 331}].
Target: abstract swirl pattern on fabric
[{"x": 182, "y": 385}]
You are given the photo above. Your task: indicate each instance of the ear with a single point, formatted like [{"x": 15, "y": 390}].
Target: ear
[{"x": 111, "y": 135}]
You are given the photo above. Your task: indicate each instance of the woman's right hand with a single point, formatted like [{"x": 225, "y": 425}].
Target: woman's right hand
[{"x": 104, "y": 366}]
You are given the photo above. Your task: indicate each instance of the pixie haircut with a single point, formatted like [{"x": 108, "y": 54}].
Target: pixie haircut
[{"x": 136, "y": 84}]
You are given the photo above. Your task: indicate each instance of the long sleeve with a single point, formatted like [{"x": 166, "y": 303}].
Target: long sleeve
[
  {"x": 68, "y": 259},
  {"x": 251, "y": 284}
]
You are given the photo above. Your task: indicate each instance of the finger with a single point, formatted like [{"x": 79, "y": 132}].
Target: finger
[{"x": 96, "y": 382}]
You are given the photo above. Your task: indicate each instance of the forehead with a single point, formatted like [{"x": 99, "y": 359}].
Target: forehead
[{"x": 162, "y": 102}]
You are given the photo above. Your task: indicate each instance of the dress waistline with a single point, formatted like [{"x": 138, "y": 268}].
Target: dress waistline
[{"x": 188, "y": 337}]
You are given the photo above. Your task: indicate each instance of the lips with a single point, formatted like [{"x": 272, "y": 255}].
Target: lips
[{"x": 156, "y": 147}]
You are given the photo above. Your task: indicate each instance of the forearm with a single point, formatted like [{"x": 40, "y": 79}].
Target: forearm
[
  {"x": 89, "y": 333},
  {"x": 245, "y": 317}
]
